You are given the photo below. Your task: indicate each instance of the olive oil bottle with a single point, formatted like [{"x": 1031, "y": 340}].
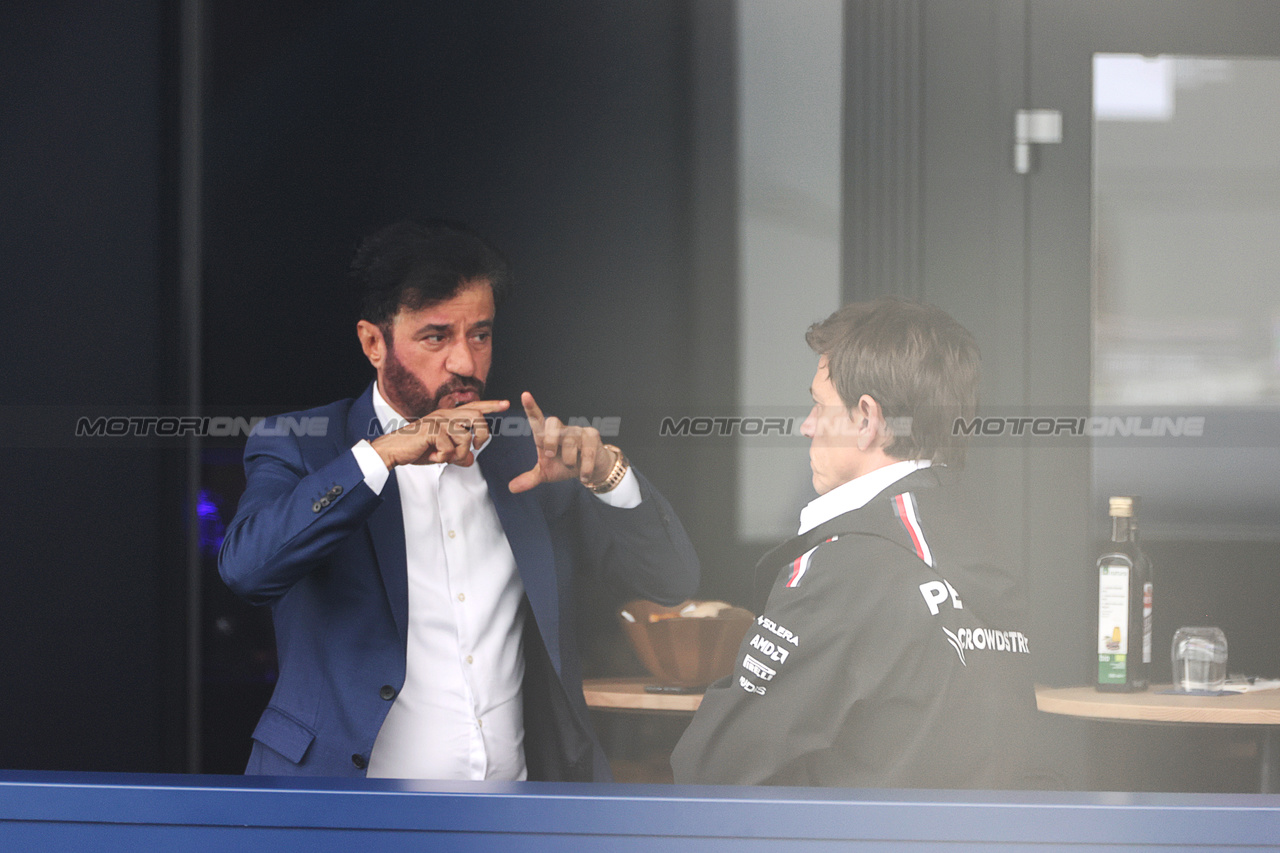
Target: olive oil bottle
[{"x": 1125, "y": 592}]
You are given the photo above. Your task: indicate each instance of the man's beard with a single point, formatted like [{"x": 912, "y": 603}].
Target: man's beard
[{"x": 406, "y": 391}]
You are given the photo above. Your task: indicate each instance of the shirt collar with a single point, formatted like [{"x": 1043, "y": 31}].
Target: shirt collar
[
  {"x": 390, "y": 420},
  {"x": 856, "y": 493}
]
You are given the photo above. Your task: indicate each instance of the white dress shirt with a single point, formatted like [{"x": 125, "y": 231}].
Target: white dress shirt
[{"x": 459, "y": 714}]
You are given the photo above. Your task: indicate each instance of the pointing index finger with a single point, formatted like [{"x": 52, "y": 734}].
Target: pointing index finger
[
  {"x": 488, "y": 406},
  {"x": 536, "y": 418}
]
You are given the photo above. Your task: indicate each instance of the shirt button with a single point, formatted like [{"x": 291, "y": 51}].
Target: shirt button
[
  {"x": 462, "y": 596},
  {"x": 452, "y": 534},
  {"x": 468, "y": 658},
  {"x": 479, "y": 723},
  {"x": 387, "y": 692}
]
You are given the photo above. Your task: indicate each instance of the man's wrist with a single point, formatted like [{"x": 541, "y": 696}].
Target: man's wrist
[
  {"x": 616, "y": 472},
  {"x": 372, "y": 466},
  {"x": 379, "y": 446}
]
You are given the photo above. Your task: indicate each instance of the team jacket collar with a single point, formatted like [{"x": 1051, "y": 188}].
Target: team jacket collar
[
  {"x": 901, "y": 524},
  {"x": 856, "y": 493}
]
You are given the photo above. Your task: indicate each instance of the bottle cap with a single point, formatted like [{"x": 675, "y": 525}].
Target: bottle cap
[{"x": 1123, "y": 507}]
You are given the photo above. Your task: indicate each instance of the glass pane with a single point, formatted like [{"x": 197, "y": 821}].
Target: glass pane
[
  {"x": 1187, "y": 217},
  {"x": 790, "y": 77},
  {"x": 1186, "y": 302}
]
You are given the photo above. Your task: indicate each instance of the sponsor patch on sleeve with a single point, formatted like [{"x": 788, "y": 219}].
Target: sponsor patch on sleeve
[
  {"x": 986, "y": 640},
  {"x": 766, "y": 653}
]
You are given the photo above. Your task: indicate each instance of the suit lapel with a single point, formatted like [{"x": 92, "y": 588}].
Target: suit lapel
[
  {"x": 526, "y": 530},
  {"x": 386, "y": 524}
]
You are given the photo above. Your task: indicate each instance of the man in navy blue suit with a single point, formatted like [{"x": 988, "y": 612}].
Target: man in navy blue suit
[{"x": 419, "y": 555}]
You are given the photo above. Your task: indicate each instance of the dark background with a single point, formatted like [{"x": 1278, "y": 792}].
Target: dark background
[
  {"x": 89, "y": 612},
  {"x": 573, "y": 134}
]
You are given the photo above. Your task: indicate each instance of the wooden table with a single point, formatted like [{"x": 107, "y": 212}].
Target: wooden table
[
  {"x": 1261, "y": 708},
  {"x": 639, "y": 746},
  {"x": 629, "y": 694}
]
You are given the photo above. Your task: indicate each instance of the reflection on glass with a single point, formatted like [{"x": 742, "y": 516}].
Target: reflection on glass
[
  {"x": 1186, "y": 302},
  {"x": 1186, "y": 226}
]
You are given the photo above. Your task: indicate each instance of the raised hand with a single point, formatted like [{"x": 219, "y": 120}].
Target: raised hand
[{"x": 564, "y": 452}]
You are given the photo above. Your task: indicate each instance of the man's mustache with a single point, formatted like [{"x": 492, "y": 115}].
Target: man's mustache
[{"x": 459, "y": 383}]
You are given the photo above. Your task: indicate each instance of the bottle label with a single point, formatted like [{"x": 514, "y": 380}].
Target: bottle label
[{"x": 1113, "y": 622}]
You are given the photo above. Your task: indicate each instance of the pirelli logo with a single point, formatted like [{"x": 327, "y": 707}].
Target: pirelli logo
[{"x": 758, "y": 669}]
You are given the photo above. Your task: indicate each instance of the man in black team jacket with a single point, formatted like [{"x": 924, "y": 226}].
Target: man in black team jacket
[{"x": 893, "y": 650}]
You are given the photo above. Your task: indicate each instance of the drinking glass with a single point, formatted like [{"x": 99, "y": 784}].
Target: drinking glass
[{"x": 1199, "y": 659}]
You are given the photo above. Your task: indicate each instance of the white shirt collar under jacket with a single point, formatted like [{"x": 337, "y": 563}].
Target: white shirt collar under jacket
[{"x": 856, "y": 493}]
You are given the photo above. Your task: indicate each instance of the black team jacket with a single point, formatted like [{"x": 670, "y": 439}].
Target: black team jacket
[{"x": 893, "y": 652}]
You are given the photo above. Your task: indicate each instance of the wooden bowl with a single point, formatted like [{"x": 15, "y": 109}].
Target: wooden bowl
[{"x": 685, "y": 651}]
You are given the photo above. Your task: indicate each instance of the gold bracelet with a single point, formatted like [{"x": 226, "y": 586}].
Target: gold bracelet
[{"x": 619, "y": 470}]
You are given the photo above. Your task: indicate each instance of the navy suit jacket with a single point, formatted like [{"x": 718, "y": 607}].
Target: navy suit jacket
[{"x": 313, "y": 541}]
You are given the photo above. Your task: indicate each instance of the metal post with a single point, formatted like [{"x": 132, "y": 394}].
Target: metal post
[
  {"x": 190, "y": 263},
  {"x": 1267, "y": 761}
]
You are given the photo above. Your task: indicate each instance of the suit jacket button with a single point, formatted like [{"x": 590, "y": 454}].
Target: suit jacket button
[
  {"x": 325, "y": 502},
  {"x": 387, "y": 692},
  {"x": 317, "y": 506},
  {"x": 335, "y": 491},
  {"x": 359, "y": 761}
]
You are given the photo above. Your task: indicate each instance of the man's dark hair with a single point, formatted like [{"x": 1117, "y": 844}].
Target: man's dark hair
[
  {"x": 914, "y": 360},
  {"x": 412, "y": 265}
]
